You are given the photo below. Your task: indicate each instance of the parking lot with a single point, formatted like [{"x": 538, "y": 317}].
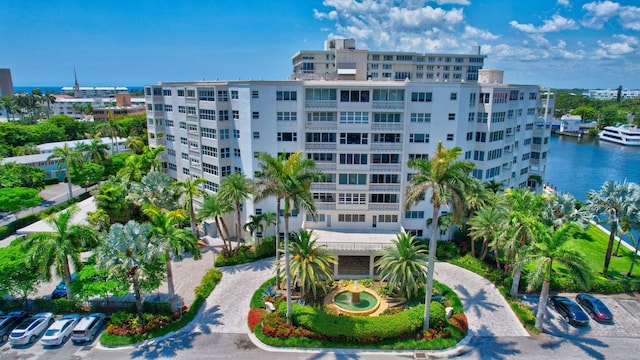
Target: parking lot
[{"x": 626, "y": 318}]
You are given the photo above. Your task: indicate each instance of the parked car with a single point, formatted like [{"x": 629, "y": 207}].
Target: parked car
[
  {"x": 61, "y": 289},
  {"x": 30, "y": 328},
  {"x": 88, "y": 327},
  {"x": 9, "y": 322},
  {"x": 569, "y": 310},
  {"x": 60, "y": 331},
  {"x": 594, "y": 307}
]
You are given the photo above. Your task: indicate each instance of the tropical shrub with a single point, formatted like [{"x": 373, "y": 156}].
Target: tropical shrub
[
  {"x": 208, "y": 283},
  {"x": 447, "y": 250},
  {"x": 459, "y": 321},
  {"x": 438, "y": 317},
  {"x": 257, "y": 300},
  {"x": 255, "y": 317},
  {"x": 57, "y": 306},
  {"x": 275, "y": 325}
]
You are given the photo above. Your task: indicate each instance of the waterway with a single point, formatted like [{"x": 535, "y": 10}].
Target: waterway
[{"x": 578, "y": 165}]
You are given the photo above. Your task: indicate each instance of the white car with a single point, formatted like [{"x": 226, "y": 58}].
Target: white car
[
  {"x": 60, "y": 331},
  {"x": 29, "y": 330}
]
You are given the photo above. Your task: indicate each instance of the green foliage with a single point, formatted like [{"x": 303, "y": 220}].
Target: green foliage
[
  {"x": 18, "y": 199},
  {"x": 10, "y": 229},
  {"x": 58, "y": 306},
  {"x": 524, "y": 313},
  {"x": 257, "y": 299},
  {"x": 88, "y": 174},
  {"x": 17, "y": 276},
  {"x": 247, "y": 254},
  {"x": 447, "y": 250},
  {"x": 438, "y": 317},
  {"x": 357, "y": 327},
  {"x": 208, "y": 283},
  {"x": 91, "y": 281},
  {"x": 403, "y": 265},
  {"x": 14, "y": 175}
]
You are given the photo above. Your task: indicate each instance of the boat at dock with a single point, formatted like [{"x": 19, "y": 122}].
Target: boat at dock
[{"x": 623, "y": 134}]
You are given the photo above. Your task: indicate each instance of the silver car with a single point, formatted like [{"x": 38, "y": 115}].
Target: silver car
[
  {"x": 60, "y": 331},
  {"x": 29, "y": 330},
  {"x": 88, "y": 327}
]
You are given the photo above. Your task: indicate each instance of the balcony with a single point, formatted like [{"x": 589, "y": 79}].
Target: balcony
[
  {"x": 386, "y": 167},
  {"x": 321, "y": 146},
  {"x": 387, "y": 126},
  {"x": 388, "y": 105},
  {"x": 193, "y": 136},
  {"x": 194, "y": 152},
  {"x": 378, "y": 147},
  {"x": 536, "y": 147},
  {"x": 384, "y": 207},
  {"x": 321, "y": 125},
  {"x": 326, "y": 166},
  {"x": 323, "y": 186},
  {"x": 384, "y": 187},
  {"x": 325, "y": 206},
  {"x": 321, "y": 104}
]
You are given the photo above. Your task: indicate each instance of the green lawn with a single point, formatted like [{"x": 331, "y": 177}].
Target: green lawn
[{"x": 593, "y": 244}]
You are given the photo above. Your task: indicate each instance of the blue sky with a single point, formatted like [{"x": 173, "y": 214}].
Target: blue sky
[{"x": 559, "y": 43}]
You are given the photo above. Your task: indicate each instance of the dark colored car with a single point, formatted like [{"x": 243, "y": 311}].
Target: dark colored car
[
  {"x": 594, "y": 307},
  {"x": 61, "y": 290},
  {"x": 8, "y": 322},
  {"x": 570, "y": 310}
]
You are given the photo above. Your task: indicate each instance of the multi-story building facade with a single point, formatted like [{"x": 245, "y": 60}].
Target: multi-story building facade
[{"x": 360, "y": 133}]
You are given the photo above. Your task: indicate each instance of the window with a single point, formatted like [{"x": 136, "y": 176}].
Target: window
[
  {"x": 356, "y": 159},
  {"x": 224, "y": 134},
  {"x": 498, "y": 117},
  {"x": 236, "y": 152},
  {"x": 419, "y": 138},
  {"x": 183, "y": 125},
  {"x": 321, "y": 116},
  {"x": 325, "y": 197},
  {"x": 208, "y": 185},
  {"x": 484, "y": 98},
  {"x": 185, "y": 156},
  {"x": 321, "y": 157},
  {"x": 234, "y": 94},
  {"x": 236, "y": 114},
  {"x": 453, "y": 96},
  {"x": 287, "y": 95},
  {"x": 168, "y": 108},
  {"x": 352, "y": 198},
  {"x": 171, "y": 152},
  {"x": 418, "y": 156},
  {"x": 421, "y": 117},
  {"x": 414, "y": 232},
  {"x": 351, "y": 218},
  {"x": 352, "y": 179},
  {"x": 467, "y": 155},
  {"x": 287, "y": 116},
  {"x": 477, "y": 173},
  {"x": 209, "y": 151},
  {"x": 384, "y": 198},
  {"x": 500, "y": 98},
  {"x": 384, "y": 179},
  {"x": 385, "y": 158},
  {"x": 452, "y": 117},
  {"x": 526, "y": 156},
  {"x": 223, "y": 95},
  {"x": 494, "y": 171},
  {"x": 321, "y": 137},
  {"x": 386, "y": 118},
  {"x": 181, "y": 93},
  {"x": 169, "y": 123},
  {"x": 388, "y": 94},
  {"x": 210, "y": 169},
  {"x": 470, "y": 136},
  {"x": 402, "y": 75},
  {"x": 166, "y": 92},
  {"x": 414, "y": 215},
  {"x": 236, "y": 134},
  {"x": 186, "y": 171},
  {"x": 207, "y": 95},
  {"x": 387, "y": 218},
  {"x": 170, "y": 138},
  {"x": 481, "y": 137},
  {"x": 354, "y": 95},
  {"x": 191, "y": 110},
  {"x": 386, "y": 138},
  {"x": 483, "y": 117},
  {"x": 193, "y": 128},
  {"x": 256, "y": 134},
  {"x": 533, "y": 96},
  {"x": 496, "y": 136},
  {"x": 478, "y": 155},
  {"x": 320, "y": 94},
  {"x": 191, "y": 93},
  {"x": 287, "y": 136},
  {"x": 386, "y": 74},
  {"x": 449, "y": 137},
  {"x": 223, "y": 115},
  {"x": 207, "y": 114},
  {"x": 255, "y": 115},
  {"x": 354, "y": 117},
  {"x": 421, "y": 96},
  {"x": 172, "y": 166},
  {"x": 226, "y": 170},
  {"x": 255, "y": 94},
  {"x": 471, "y": 117},
  {"x": 354, "y": 138},
  {"x": 182, "y": 109},
  {"x": 208, "y": 133},
  {"x": 224, "y": 153}
]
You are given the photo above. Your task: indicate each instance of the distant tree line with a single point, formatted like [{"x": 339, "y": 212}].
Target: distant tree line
[{"x": 604, "y": 112}]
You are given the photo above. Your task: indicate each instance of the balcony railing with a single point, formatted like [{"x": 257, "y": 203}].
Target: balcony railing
[
  {"x": 384, "y": 187},
  {"x": 322, "y": 186},
  {"x": 321, "y": 104},
  {"x": 387, "y": 126},
  {"x": 377, "y": 147},
  {"x": 388, "y": 104},
  {"x": 384, "y": 207},
  {"x": 321, "y": 146},
  {"x": 351, "y": 246},
  {"x": 385, "y": 167}
]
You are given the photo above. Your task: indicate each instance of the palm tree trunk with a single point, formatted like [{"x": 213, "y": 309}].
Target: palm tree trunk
[
  {"x": 497, "y": 255},
  {"x": 238, "y": 225},
  {"x": 544, "y": 295},
  {"x": 171, "y": 291},
  {"x": 516, "y": 283},
  {"x": 430, "y": 268},
  {"x": 286, "y": 258},
  {"x": 136, "y": 292},
  {"x": 67, "y": 278},
  {"x": 220, "y": 231},
  {"x": 192, "y": 217},
  {"x": 68, "y": 173},
  {"x": 473, "y": 247},
  {"x": 618, "y": 246},
  {"x": 278, "y": 243},
  {"x": 635, "y": 255},
  {"x": 607, "y": 257},
  {"x": 485, "y": 250}
]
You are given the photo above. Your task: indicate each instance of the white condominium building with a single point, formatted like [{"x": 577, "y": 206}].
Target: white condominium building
[{"x": 360, "y": 130}]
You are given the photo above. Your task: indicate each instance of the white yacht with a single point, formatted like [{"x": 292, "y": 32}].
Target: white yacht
[{"x": 623, "y": 134}]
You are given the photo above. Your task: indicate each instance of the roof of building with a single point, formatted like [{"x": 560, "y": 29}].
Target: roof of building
[
  {"x": 48, "y": 147},
  {"x": 79, "y": 218}
]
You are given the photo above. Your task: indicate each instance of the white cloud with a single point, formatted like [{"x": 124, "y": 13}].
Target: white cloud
[
  {"x": 613, "y": 50},
  {"x": 471, "y": 32},
  {"x": 630, "y": 17},
  {"x": 564, "y": 3},
  {"x": 455, "y": 2},
  {"x": 331, "y": 15},
  {"x": 556, "y": 23},
  {"x": 599, "y": 12}
]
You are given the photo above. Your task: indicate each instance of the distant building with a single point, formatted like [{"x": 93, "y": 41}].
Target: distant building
[
  {"x": 611, "y": 94},
  {"x": 124, "y": 106},
  {"x": 91, "y": 91},
  {"x": 51, "y": 166},
  {"x": 65, "y": 105},
  {"x": 6, "y": 88}
]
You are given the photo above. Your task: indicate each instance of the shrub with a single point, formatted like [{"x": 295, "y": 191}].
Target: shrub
[
  {"x": 257, "y": 300},
  {"x": 57, "y": 306},
  {"x": 266, "y": 249},
  {"x": 447, "y": 250},
  {"x": 603, "y": 285},
  {"x": 160, "y": 308},
  {"x": 358, "y": 327},
  {"x": 366, "y": 282},
  {"x": 255, "y": 317},
  {"x": 459, "y": 321},
  {"x": 208, "y": 283},
  {"x": 384, "y": 291},
  {"x": 438, "y": 317},
  {"x": 275, "y": 325}
]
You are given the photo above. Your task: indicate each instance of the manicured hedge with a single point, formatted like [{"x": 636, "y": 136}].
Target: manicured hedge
[{"x": 359, "y": 327}]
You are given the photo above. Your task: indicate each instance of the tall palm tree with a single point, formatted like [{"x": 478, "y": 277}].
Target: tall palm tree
[
  {"x": 155, "y": 188},
  {"x": 135, "y": 144},
  {"x": 235, "y": 189},
  {"x": 190, "y": 188},
  {"x": 561, "y": 209},
  {"x": 403, "y": 265},
  {"x": 66, "y": 158},
  {"x": 524, "y": 209},
  {"x": 269, "y": 219},
  {"x": 254, "y": 226},
  {"x": 151, "y": 158},
  {"x": 112, "y": 128},
  {"x": 477, "y": 196},
  {"x": 447, "y": 178},
  {"x": 549, "y": 247},
  {"x": 173, "y": 240},
  {"x": 310, "y": 265},
  {"x": 214, "y": 207},
  {"x": 130, "y": 250},
  {"x": 133, "y": 169},
  {"x": 494, "y": 186},
  {"x": 96, "y": 151},
  {"x": 613, "y": 201},
  {"x": 488, "y": 225},
  {"x": 47, "y": 249},
  {"x": 9, "y": 105}
]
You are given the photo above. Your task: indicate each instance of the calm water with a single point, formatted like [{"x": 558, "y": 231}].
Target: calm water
[{"x": 579, "y": 165}]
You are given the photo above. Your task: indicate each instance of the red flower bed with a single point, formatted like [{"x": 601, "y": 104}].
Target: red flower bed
[
  {"x": 130, "y": 325},
  {"x": 459, "y": 321},
  {"x": 255, "y": 317},
  {"x": 275, "y": 326}
]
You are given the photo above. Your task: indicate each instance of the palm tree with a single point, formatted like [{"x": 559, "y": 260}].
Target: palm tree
[
  {"x": 269, "y": 218},
  {"x": 190, "y": 189},
  {"x": 235, "y": 189},
  {"x": 494, "y": 186},
  {"x": 133, "y": 169},
  {"x": 310, "y": 265},
  {"x": 112, "y": 128},
  {"x": 135, "y": 143},
  {"x": 253, "y": 226},
  {"x": 561, "y": 209},
  {"x": 130, "y": 250},
  {"x": 214, "y": 208},
  {"x": 549, "y": 247},
  {"x": 477, "y": 196},
  {"x": 47, "y": 249},
  {"x": 488, "y": 225},
  {"x": 155, "y": 188},
  {"x": 524, "y": 209},
  {"x": 447, "y": 179},
  {"x": 610, "y": 204},
  {"x": 403, "y": 265},
  {"x": 151, "y": 158},
  {"x": 9, "y": 105},
  {"x": 96, "y": 151},
  {"x": 173, "y": 240},
  {"x": 66, "y": 158}
]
